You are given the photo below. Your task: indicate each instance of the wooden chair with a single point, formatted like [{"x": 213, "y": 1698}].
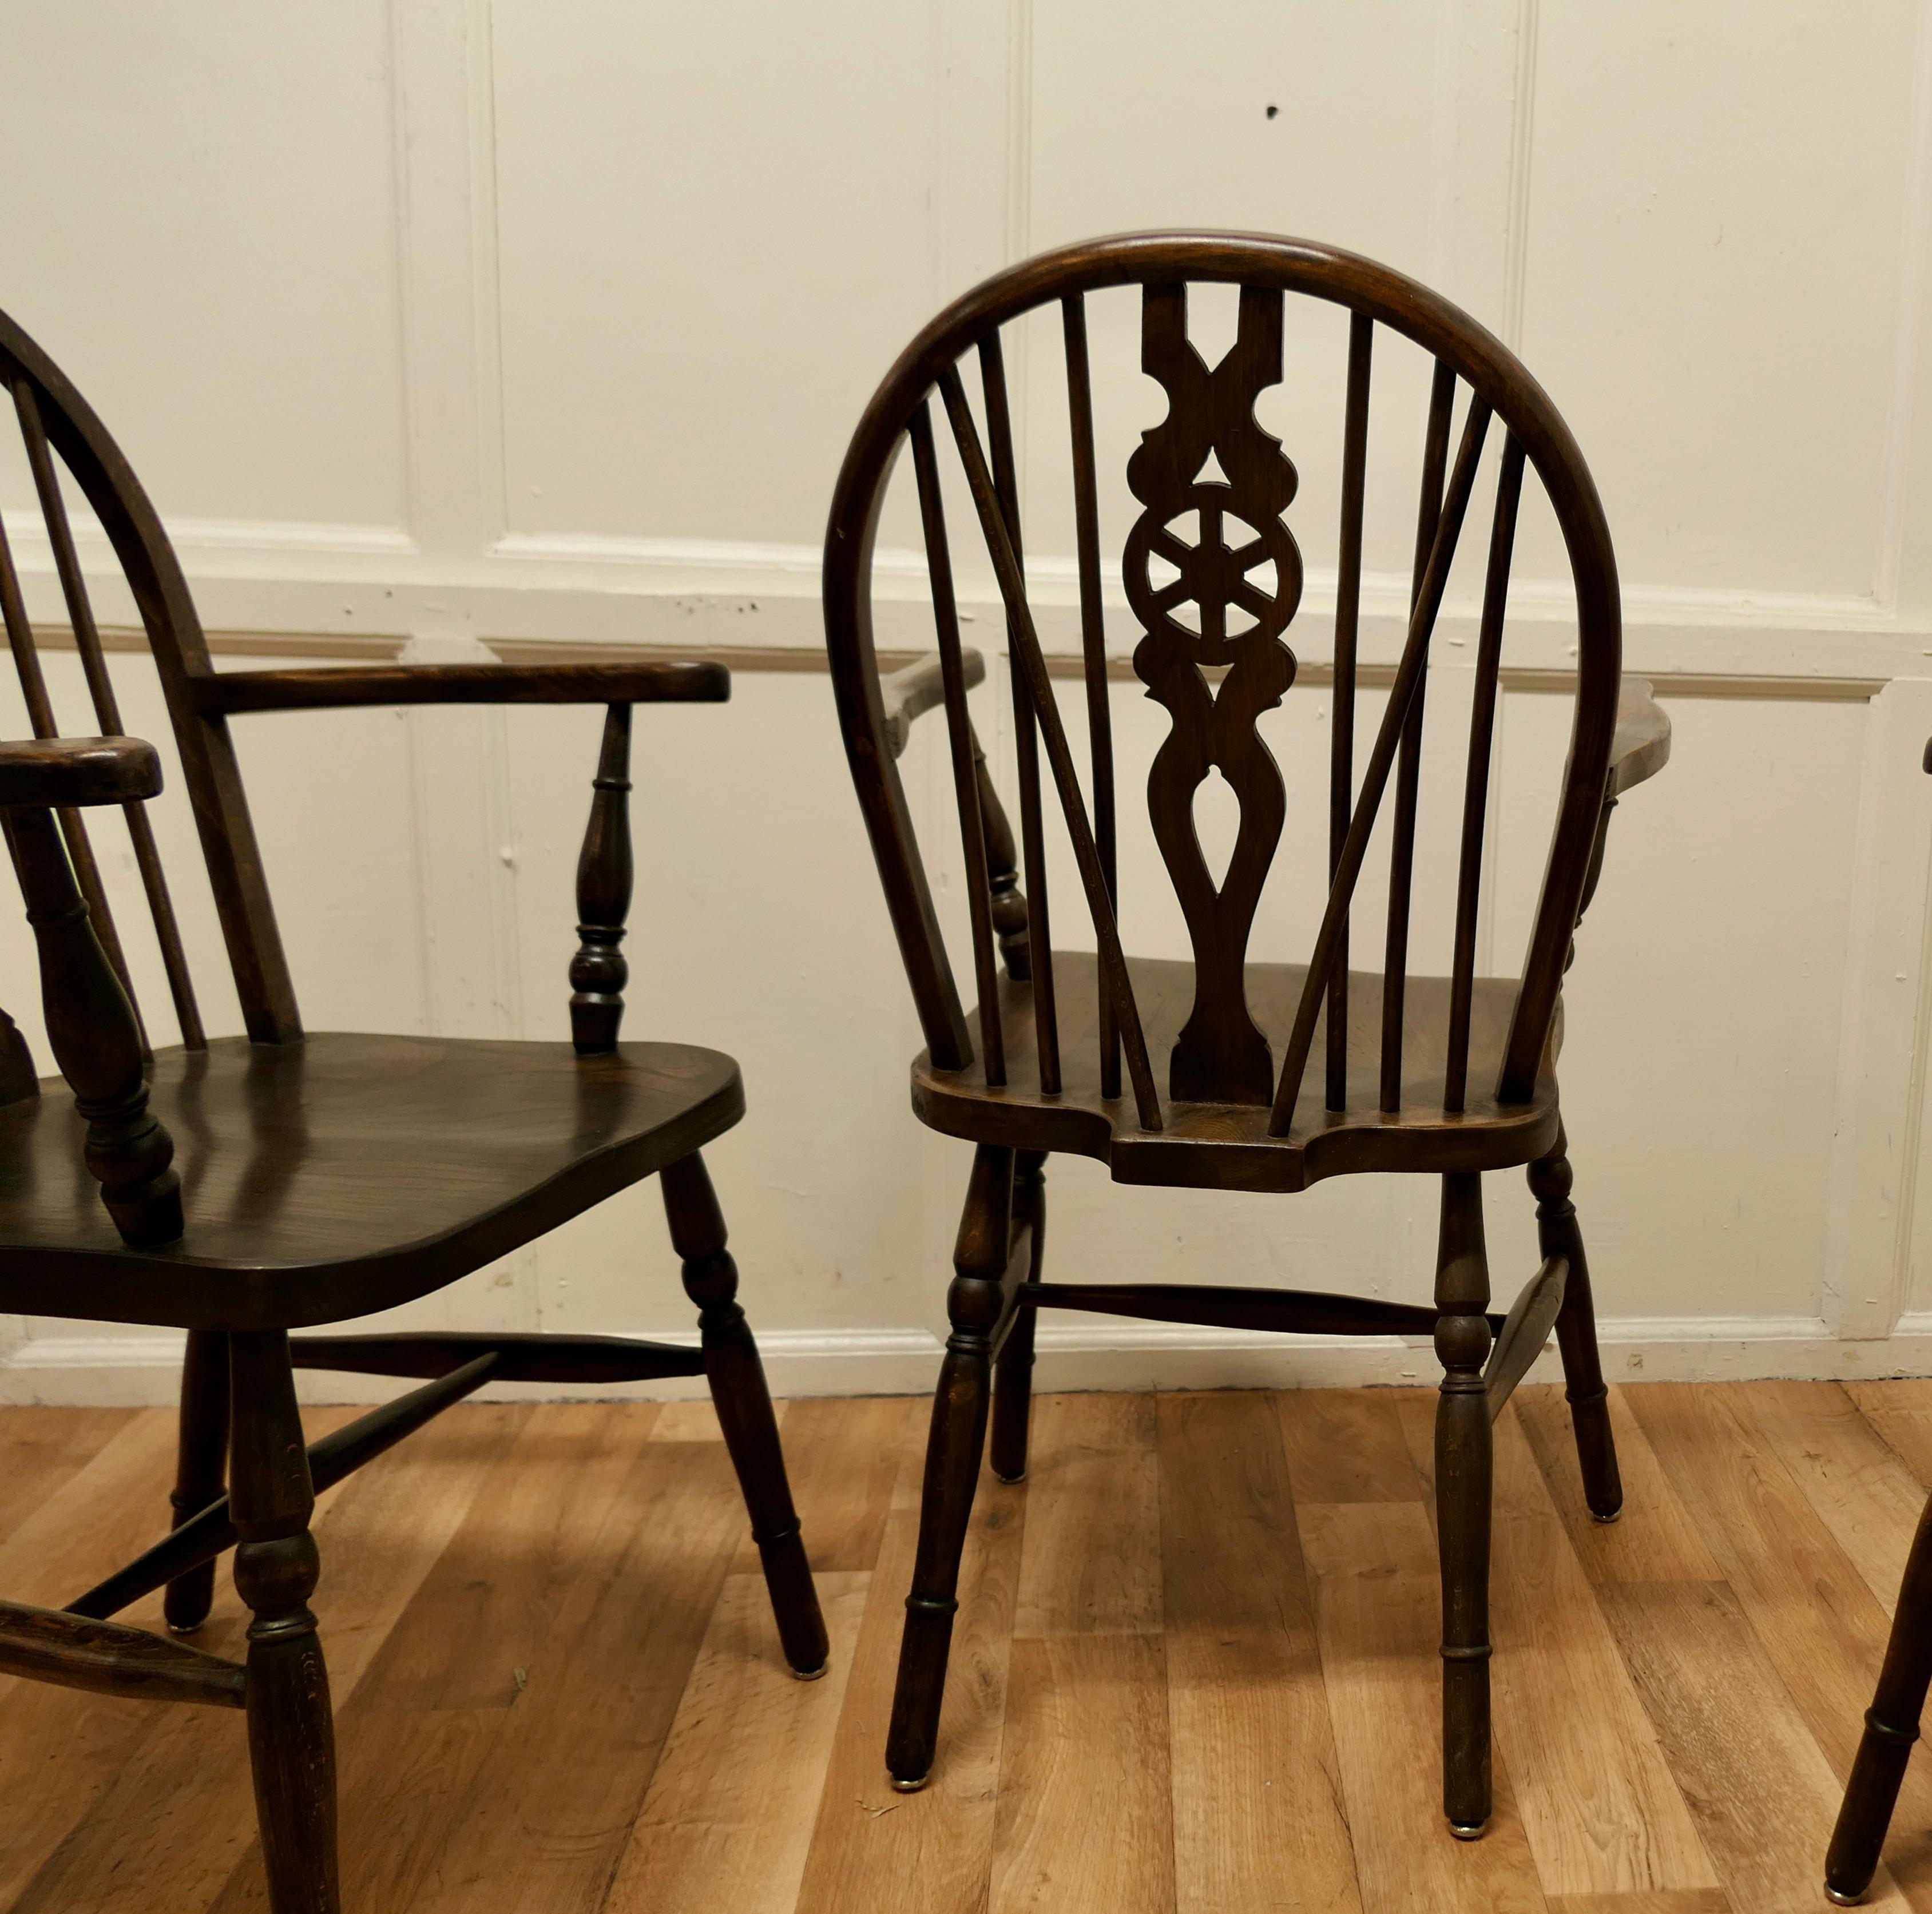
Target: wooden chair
[
  {"x": 248, "y": 1186},
  {"x": 1892, "y": 1722},
  {"x": 1225, "y": 1074}
]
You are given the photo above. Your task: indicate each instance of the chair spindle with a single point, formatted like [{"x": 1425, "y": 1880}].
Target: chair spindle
[
  {"x": 1341, "y": 733},
  {"x": 1381, "y": 759},
  {"x": 1409, "y": 776},
  {"x": 1033, "y": 664},
  {"x": 96, "y": 1041},
  {"x": 598, "y": 972},
  {"x": 1093, "y": 644},
  {"x": 1011, "y": 924},
  {"x": 40, "y": 715},
  {"x": 1476, "y": 790},
  {"x": 106, "y": 707},
  {"x": 1026, "y": 734},
  {"x": 966, "y": 761}
]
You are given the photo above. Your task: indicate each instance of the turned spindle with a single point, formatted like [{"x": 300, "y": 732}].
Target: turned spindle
[
  {"x": 598, "y": 972},
  {"x": 95, "y": 1041},
  {"x": 1003, "y": 876}
]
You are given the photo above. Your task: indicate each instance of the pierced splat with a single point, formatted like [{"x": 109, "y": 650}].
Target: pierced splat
[{"x": 1214, "y": 485}]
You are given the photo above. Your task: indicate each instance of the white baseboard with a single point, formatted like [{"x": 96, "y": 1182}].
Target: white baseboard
[{"x": 141, "y": 1367}]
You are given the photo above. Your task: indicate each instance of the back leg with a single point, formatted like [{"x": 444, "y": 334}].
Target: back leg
[
  {"x": 201, "y": 1468},
  {"x": 1558, "y": 1235},
  {"x": 744, "y": 1406},
  {"x": 1891, "y": 1727},
  {"x": 1013, "y": 1370}
]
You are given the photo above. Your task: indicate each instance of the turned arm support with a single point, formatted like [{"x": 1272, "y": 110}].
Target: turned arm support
[
  {"x": 598, "y": 972},
  {"x": 908, "y": 695},
  {"x": 90, "y": 1024}
]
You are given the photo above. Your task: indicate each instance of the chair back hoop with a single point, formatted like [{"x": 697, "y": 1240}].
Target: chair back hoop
[{"x": 1220, "y": 1055}]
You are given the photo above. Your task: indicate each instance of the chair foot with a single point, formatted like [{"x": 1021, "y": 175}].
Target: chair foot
[
  {"x": 1615, "y": 1515},
  {"x": 1559, "y": 1235},
  {"x": 910, "y": 1787},
  {"x": 1468, "y": 1831},
  {"x": 812, "y": 1674},
  {"x": 184, "y": 1627},
  {"x": 1011, "y": 1481},
  {"x": 1838, "y": 1900}
]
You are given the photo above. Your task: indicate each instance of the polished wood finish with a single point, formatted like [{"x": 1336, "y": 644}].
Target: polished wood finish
[
  {"x": 1270, "y": 1076},
  {"x": 598, "y": 971},
  {"x": 250, "y": 1186},
  {"x": 1890, "y": 1723},
  {"x": 1247, "y": 1579},
  {"x": 649, "y": 681},
  {"x": 48, "y": 1644},
  {"x": 93, "y": 1030},
  {"x": 54, "y": 773}
]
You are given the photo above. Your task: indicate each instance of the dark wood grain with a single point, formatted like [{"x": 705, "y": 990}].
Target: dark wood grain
[
  {"x": 1220, "y": 1055},
  {"x": 53, "y": 773},
  {"x": 48, "y": 1644},
  {"x": 1342, "y": 728},
  {"x": 1891, "y": 1732},
  {"x": 1409, "y": 770},
  {"x": 327, "y": 1178},
  {"x": 649, "y": 681},
  {"x": 598, "y": 972},
  {"x": 1444, "y": 1076},
  {"x": 106, "y": 707},
  {"x": 197, "y": 1540},
  {"x": 96, "y": 1042}
]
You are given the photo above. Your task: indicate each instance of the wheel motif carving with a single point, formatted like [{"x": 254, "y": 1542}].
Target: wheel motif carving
[{"x": 1236, "y": 582}]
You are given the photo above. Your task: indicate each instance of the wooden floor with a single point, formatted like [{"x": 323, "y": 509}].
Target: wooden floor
[{"x": 1195, "y": 1668}]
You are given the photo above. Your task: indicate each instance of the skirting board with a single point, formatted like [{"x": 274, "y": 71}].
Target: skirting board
[{"x": 142, "y": 1368}]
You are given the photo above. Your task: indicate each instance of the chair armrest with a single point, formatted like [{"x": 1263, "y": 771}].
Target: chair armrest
[
  {"x": 648, "y": 681},
  {"x": 915, "y": 689},
  {"x": 52, "y": 774},
  {"x": 1641, "y": 747}
]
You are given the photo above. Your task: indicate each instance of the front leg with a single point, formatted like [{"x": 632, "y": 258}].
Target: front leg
[
  {"x": 744, "y": 1407},
  {"x": 977, "y": 1303},
  {"x": 1463, "y": 1456},
  {"x": 291, "y": 1733}
]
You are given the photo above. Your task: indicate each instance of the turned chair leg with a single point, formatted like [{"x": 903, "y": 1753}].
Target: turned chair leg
[
  {"x": 1013, "y": 1370},
  {"x": 974, "y": 1304},
  {"x": 1891, "y": 1727},
  {"x": 1463, "y": 1490},
  {"x": 744, "y": 1406},
  {"x": 1558, "y": 1235},
  {"x": 291, "y": 1734},
  {"x": 201, "y": 1467}
]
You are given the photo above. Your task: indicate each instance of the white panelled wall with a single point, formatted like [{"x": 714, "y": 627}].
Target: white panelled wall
[{"x": 434, "y": 325}]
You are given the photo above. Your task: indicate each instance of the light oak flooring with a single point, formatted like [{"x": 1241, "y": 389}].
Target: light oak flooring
[{"x": 1194, "y": 1673}]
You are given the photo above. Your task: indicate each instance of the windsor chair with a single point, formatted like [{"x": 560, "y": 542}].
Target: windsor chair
[
  {"x": 250, "y": 1186},
  {"x": 1276, "y": 1074}
]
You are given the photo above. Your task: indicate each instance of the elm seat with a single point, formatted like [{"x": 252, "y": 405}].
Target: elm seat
[
  {"x": 1226, "y": 1146},
  {"x": 347, "y": 1173}
]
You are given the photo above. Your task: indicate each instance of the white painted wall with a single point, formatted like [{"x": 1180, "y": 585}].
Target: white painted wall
[{"x": 451, "y": 321}]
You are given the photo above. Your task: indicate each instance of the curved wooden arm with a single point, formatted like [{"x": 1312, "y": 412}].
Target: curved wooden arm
[
  {"x": 1641, "y": 747},
  {"x": 649, "y": 681},
  {"x": 50, "y": 774},
  {"x": 919, "y": 688}
]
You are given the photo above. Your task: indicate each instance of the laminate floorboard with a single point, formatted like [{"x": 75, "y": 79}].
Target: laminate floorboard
[{"x": 1194, "y": 1667}]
